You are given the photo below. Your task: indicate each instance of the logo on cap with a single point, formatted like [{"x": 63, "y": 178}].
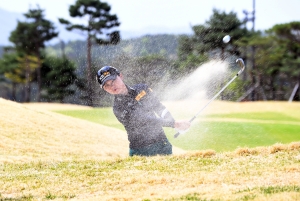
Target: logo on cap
[
  {"x": 104, "y": 76},
  {"x": 106, "y": 73}
]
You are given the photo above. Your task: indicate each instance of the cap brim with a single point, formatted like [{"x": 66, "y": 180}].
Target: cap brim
[{"x": 111, "y": 77}]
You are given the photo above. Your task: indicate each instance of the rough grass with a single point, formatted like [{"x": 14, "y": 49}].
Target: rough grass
[
  {"x": 266, "y": 173},
  {"x": 49, "y": 156}
]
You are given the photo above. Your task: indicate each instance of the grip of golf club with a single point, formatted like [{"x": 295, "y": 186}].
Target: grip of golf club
[{"x": 192, "y": 119}]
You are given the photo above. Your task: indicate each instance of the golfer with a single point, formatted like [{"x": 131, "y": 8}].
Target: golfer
[{"x": 141, "y": 113}]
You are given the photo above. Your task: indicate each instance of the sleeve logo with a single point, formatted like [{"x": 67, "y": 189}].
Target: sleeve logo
[{"x": 140, "y": 95}]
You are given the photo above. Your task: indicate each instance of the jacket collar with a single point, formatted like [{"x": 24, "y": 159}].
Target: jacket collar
[{"x": 131, "y": 92}]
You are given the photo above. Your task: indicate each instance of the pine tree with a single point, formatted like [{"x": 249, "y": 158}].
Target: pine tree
[
  {"x": 59, "y": 75},
  {"x": 30, "y": 37},
  {"x": 100, "y": 29},
  {"x": 288, "y": 36},
  {"x": 207, "y": 39}
]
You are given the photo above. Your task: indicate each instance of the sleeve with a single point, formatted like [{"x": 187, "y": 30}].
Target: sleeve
[
  {"x": 120, "y": 115},
  {"x": 162, "y": 112}
]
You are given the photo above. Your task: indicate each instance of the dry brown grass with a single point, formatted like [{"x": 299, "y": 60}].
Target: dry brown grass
[
  {"x": 267, "y": 150},
  {"x": 201, "y": 154},
  {"x": 221, "y": 176}
]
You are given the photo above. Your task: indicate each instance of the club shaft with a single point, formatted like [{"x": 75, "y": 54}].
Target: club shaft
[
  {"x": 213, "y": 98},
  {"x": 194, "y": 117}
]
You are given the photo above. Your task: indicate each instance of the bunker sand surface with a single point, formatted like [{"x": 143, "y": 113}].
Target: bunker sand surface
[
  {"x": 38, "y": 134},
  {"x": 56, "y": 106}
]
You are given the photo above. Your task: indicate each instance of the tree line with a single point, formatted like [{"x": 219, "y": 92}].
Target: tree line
[
  {"x": 24, "y": 62},
  {"x": 273, "y": 71}
]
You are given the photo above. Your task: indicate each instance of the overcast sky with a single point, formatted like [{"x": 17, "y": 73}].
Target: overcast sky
[{"x": 167, "y": 16}]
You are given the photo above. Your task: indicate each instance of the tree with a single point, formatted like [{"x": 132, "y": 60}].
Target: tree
[
  {"x": 190, "y": 55},
  {"x": 9, "y": 64},
  {"x": 220, "y": 24},
  {"x": 100, "y": 29},
  {"x": 21, "y": 38},
  {"x": 268, "y": 58},
  {"x": 30, "y": 37},
  {"x": 18, "y": 68},
  {"x": 59, "y": 77},
  {"x": 151, "y": 69},
  {"x": 288, "y": 36},
  {"x": 28, "y": 63},
  {"x": 207, "y": 39},
  {"x": 276, "y": 59}
]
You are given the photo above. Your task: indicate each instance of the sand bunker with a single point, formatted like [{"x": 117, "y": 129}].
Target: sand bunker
[{"x": 38, "y": 134}]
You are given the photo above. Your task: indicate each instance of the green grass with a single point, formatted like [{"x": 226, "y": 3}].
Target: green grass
[
  {"x": 257, "y": 116},
  {"x": 216, "y": 135},
  {"x": 279, "y": 189},
  {"x": 227, "y": 136},
  {"x": 102, "y": 116}
]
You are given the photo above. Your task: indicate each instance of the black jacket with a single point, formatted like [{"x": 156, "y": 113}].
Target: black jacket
[{"x": 142, "y": 115}]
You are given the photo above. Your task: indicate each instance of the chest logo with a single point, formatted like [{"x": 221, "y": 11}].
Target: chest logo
[{"x": 140, "y": 95}]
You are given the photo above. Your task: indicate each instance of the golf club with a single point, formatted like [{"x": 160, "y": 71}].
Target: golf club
[{"x": 241, "y": 64}]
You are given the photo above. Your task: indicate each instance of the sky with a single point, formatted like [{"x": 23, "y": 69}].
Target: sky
[{"x": 140, "y": 17}]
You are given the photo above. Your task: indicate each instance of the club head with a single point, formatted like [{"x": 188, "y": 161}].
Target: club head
[{"x": 241, "y": 63}]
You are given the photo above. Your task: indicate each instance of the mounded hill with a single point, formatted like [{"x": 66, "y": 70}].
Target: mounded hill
[{"x": 38, "y": 134}]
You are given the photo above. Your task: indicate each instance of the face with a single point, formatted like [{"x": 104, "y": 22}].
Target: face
[{"x": 116, "y": 86}]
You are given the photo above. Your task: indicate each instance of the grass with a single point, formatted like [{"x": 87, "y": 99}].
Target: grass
[
  {"x": 217, "y": 131},
  {"x": 227, "y": 136},
  {"x": 265, "y": 175},
  {"x": 102, "y": 116},
  {"x": 47, "y": 156},
  {"x": 277, "y": 116}
]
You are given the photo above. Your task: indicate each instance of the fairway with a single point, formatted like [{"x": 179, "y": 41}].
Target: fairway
[
  {"x": 102, "y": 116},
  {"x": 233, "y": 127},
  {"x": 228, "y": 136}
]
